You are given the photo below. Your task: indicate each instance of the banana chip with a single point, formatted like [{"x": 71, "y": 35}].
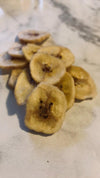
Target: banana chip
[
  {"x": 7, "y": 62},
  {"x": 45, "y": 109},
  {"x": 46, "y": 68},
  {"x": 66, "y": 85},
  {"x": 62, "y": 53},
  {"x": 23, "y": 87},
  {"x": 84, "y": 85},
  {"x": 29, "y": 50},
  {"x": 32, "y": 36},
  {"x": 16, "y": 50},
  {"x": 13, "y": 77}
]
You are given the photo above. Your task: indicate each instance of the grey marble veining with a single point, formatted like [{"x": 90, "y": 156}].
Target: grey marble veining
[{"x": 74, "y": 151}]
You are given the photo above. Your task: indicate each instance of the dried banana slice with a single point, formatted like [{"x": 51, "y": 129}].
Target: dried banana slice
[
  {"x": 7, "y": 62},
  {"x": 46, "y": 68},
  {"x": 33, "y": 36},
  {"x": 84, "y": 85},
  {"x": 51, "y": 50},
  {"x": 13, "y": 77},
  {"x": 61, "y": 53},
  {"x": 29, "y": 50},
  {"x": 16, "y": 50},
  {"x": 49, "y": 42},
  {"x": 66, "y": 85},
  {"x": 23, "y": 87},
  {"x": 45, "y": 109},
  {"x": 66, "y": 56}
]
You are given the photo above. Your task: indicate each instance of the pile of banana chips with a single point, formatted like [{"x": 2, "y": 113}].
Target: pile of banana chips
[{"x": 44, "y": 78}]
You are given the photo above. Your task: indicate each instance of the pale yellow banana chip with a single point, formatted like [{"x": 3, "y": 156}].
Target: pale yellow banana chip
[
  {"x": 23, "y": 87},
  {"x": 84, "y": 85},
  {"x": 29, "y": 50},
  {"x": 33, "y": 36},
  {"x": 62, "y": 53},
  {"x": 66, "y": 85},
  {"x": 45, "y": 109},
  {"x": 7, "y": 62},
  {"x": 13, "y": 77},
  {"x": 16, "y": 50},
  {"x": 46, "y": 68}
]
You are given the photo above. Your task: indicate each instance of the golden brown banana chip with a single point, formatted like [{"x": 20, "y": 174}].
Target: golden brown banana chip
[
  {"x": 84, "y": 85},
  {"x": 13, "y": 77},
  {"x": 78, "y": 72},
  {"x": 33, "y": 36},
  {"x": 7, "y": 62},
  {"x": 45, "y": 109},
  {"x": 29, "y": 50},
  {"x": 23, "y": 87},
  {"x": 16, "y": 50},
  {"x": 46, "y": 68},
  {"x": 49, "y": 42},
  {"x": 61, "y": 53},
  {"x": 66, "y": 85}
]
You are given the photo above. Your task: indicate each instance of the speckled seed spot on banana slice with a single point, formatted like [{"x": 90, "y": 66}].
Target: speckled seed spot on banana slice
[
  {"x": 66, "y": 85},
  {"x": 32, "y": 36},
  {"x": 84, "y": 85},
  {"x": 13, "y": 77},
  {"x": 23, "y": 87},
  {"x": 29, "y": 50},
  {"x": 7, "y": 62},
  {"x": 45, "y": 109},
  {"x": 16, "y": 50},
  {"x": 62, "y": 53},
  {"x": 46, "y": 68}
]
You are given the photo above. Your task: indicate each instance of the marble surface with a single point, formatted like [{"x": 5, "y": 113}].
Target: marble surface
[{"x": 74, "y": 151}]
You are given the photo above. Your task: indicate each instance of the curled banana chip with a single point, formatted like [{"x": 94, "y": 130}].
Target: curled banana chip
[
  {"x": 66, "y": 85},
  {"x": 16, "y": 50},
  {"x": 32, "y": 36},
  {"x": 45, "y": 109},
  {"x": 29, "y": 50},
  {"x": 84, "y": 85},
  {"x": 61, "y": 53},
  {"x": 46, "y": 68},
  {"x": 23, "y": 87},
  {"x": 13, "y": 77},
  {"x": 49, "y": 42},
  {"x": 7, "y": 62}
]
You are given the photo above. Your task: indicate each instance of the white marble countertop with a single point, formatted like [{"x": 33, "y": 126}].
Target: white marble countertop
[{"x": 74, "y": 151}]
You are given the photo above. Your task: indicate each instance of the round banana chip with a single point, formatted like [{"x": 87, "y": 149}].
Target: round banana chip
[
  {"x": 7, "y": 62},
  {"x": 29, "y": 50},
  {"x": 46, "y": 68},
  {"x": 78, "y": 72},
  {"x": 33, "y": 36},
  {"x": 66, "y": 85},
  {"x": 45, "y": 109},
  {"x": 23, "y": 87},
  {"x": 13, "y": 77},
  {"x": 16, "y": 50},
  {"x": 84, "y": 85},
  {"x": 61, "y": 53}
]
